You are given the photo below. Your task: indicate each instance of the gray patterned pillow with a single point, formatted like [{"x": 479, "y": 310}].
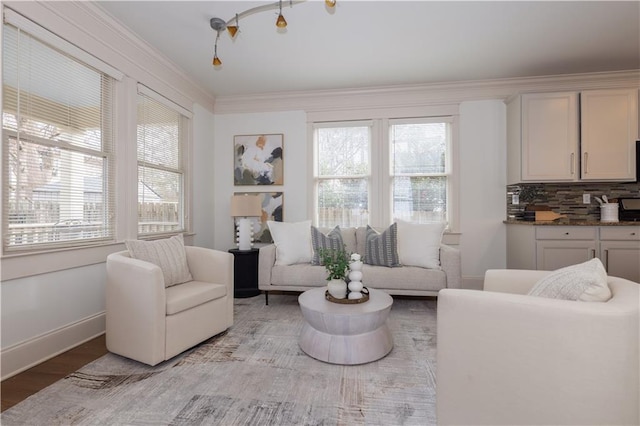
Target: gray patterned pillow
[
  {"x": 320, "y": 241},
  {"x": 168, "y": 254},
  {"x": 586, "y": 282},
  {"x": 382, "y": 249}
]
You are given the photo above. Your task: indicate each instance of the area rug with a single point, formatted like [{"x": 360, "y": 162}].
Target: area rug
[{"x": 253, "y": 374}]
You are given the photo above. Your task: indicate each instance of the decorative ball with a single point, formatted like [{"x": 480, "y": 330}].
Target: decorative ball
[
  {"x": 355, "y": 295},
  {"x": 356, "y": 266},
  {"x": 355, "y": 276},
  {"x": 355, "y": 286}
]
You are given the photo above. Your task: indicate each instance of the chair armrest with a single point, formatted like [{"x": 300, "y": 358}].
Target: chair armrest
[
  {"x": 499, "y": 352},
  {"x": 450, "y": 263},
  {"x": 212, "y": 266},
  {"x": 517, "y": 281},
  {"x": 266, "y": 260},
  {"x": 135, "y": 308}
]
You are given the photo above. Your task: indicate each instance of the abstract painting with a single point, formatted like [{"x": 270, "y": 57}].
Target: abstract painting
[{"x": 258, "y": 159}]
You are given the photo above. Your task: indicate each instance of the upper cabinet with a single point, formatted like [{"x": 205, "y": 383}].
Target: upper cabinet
[
  {"x": 609, "y": 129},
  {"x": 572, "y": 136}
]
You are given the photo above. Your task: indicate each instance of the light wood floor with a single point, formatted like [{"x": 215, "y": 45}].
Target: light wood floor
[{"x": 21, "y": 386}]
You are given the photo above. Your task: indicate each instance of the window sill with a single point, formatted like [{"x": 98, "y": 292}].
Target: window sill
[{"x": 21, "y": 265}]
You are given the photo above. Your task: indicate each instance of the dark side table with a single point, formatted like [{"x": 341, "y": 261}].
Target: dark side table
[{"x": 245, "y": 272}]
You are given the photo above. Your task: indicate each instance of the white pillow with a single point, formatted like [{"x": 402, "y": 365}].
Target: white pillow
[
  {"x": 292, "y": 240},
  {"x": 168, "y": 254},
  {"x": 586, "y": 282},
  {"x": 419, "y": 243}
]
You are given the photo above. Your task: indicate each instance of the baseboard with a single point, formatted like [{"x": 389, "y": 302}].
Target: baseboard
[
  {"x": 472, "y": 283},
  {"x": 32, "y": 352}
]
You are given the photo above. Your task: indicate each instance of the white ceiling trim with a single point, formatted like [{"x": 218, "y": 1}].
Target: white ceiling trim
[{"x": 421, "y": 95}]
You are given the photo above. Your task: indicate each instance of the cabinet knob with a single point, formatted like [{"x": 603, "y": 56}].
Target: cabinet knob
[
  {"x": 566, "y": 233},
  {"x": 633, "y": 233}
]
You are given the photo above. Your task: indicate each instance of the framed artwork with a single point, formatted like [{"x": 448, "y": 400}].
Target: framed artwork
[
  {"x": 272, "y": 207},
  {"x": 258, "y": 159}
]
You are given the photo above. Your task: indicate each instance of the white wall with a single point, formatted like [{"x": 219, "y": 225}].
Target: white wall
[
  {"x": 295, "y": 151},
  {"x": 204, "y": 177},
  {"x": 482, "y": 148},
  {"x": 483, "y": 171}
]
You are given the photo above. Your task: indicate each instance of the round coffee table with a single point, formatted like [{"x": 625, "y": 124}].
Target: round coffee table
[{"x": 345, "y": 333}]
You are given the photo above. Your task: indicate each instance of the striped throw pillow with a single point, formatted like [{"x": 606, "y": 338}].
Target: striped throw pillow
[
  {"x": 320, "y": 241},
  {"x": 168, "y": 254},
  {"x": 382, "y": 249}
]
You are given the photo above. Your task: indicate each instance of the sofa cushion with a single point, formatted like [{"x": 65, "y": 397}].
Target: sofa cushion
[
  {"x": 419, "y": 243},
  {"x": 403, "y": 278},
  {"x": 168, "y": 254},
  {"x": 321, "y": 241},
  {"x": 382, "y": 248},
  {"x": 305, "y": 275},
  {"x": 585, "y": 282},
  {"x": 189, "y": 295},
  {"x": 292, "y": 241}
]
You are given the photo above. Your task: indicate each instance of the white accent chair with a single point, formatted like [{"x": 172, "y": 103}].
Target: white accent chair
[
  {"x": 150, "y": 323},
  {"x": 507, "y": 358}
]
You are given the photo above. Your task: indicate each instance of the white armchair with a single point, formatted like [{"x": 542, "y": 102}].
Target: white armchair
[
  {"x": 507, "y": 358},
  {"x": 150, "y": 323}
]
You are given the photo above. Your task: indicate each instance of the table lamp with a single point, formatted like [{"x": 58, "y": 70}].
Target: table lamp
[{"x": 244, "y": 207}]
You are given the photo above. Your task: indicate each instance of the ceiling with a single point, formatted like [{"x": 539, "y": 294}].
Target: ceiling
[{"x": 385, "y": 43}]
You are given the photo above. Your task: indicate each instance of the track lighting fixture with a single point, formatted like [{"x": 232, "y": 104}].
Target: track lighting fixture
[{"x": 233, "y": 25}]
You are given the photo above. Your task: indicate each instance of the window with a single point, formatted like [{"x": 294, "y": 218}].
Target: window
[
  {"x": 419, "y": 172},
  {"x": 56, "y": 145},
  {"x": 343, "y": 174},
  {"x": 161, "y": 138},
  {"x": 385, "y": 169}
]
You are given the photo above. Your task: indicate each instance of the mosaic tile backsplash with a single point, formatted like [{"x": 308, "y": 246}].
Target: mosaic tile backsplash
[{"x": 566, "y": 198}]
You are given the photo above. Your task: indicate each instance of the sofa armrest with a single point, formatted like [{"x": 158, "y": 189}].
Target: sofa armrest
[
  {"x": 450, "y": 264},
  {"x": 135, "y": 308},
  {"x": 517, "y": 281},
  {"x": 498, "y": 352},
  {"x": 266, "y": 260}
]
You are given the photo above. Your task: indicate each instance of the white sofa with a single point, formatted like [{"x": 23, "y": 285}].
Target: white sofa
[
  {"x": 403, "y": 280},
  {"x": 507, "y": 358},
  {"x": 150, "y": 323}
]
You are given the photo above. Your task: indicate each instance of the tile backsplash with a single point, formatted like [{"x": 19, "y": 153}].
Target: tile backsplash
[{"x": 566, "y": 198}]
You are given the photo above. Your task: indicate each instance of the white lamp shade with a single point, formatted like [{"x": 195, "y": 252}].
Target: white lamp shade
[{"x": 246, "y": 206}]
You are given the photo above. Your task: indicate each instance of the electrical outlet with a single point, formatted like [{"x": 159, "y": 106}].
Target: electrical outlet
[
  {"x": 586, "y": 198},
  {"x": 515, "y": 199}
]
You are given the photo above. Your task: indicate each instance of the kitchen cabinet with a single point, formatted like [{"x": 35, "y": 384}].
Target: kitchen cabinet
[
  {"x": 549, "y": 247},
  {"x": 557, "y": 247},
  {"x": 609, "y": 129},
  {"x": 620, "y": 251},
  {"x": 572, "y": 136},
  {"x": 543, "y": 137}
]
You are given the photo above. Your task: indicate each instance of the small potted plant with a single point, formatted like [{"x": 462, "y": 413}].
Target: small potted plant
[{"x": 336, "y": 262}]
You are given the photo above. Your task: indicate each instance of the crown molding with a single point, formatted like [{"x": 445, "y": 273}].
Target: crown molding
[
  {"x": 421, "y": 95},
  {"x": 92, "y": 29}
]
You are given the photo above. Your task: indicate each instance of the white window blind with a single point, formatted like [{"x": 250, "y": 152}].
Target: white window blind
[
  {"x": 420, "y": 151},
  {"x": 161, "y": 135},
  {"x": 342, "y": 174},
  {"x": 57, "y": 147}
]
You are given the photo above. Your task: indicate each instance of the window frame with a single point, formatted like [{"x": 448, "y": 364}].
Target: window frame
[
  {"x": 106, "y": 151},
  {"x": 183, "y": 167},
  {"x": 381, "y": 190}
]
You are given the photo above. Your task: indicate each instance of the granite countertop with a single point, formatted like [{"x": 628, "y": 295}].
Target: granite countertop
[{"x": 569, "y": 222}]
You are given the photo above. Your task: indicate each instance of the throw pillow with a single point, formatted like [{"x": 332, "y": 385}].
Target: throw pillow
[
  {"x": 168, "y": 254},
  {"x": 320, "y": 241},
  {"x": 382, "y": 249},
  {"x": 419, "y": 243},
  {"x": 586, "y": 282},
  {"x": 292, "y": 241}
]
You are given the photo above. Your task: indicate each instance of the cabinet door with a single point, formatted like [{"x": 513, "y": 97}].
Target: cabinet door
[
  {"x": 609, "y": 129},
  {"x": 549, "y": 137},
  {"x": 621, "y": 259},
  {"x": 551, "y": 254}
]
